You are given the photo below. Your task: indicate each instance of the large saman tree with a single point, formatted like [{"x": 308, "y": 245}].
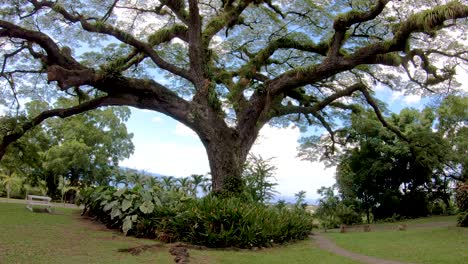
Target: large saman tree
[{"x": 226, "y": 68}]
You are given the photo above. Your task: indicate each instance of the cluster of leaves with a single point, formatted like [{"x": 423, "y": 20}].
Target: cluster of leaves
[
  {"x": 210, "y": 221},
  {"x": 462, "y": 203},
  {"x": 386, "y": 175},
  {"x": 80, "y": 150},
  {"x": 258, "y": 173},
  {"x": 333, "y": 211}
]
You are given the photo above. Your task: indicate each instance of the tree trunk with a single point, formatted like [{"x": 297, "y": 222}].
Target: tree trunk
[
  {"x": 368, "y": 215},
  {"x": 227, "y": 151},
  {"x": 227, "y": 157}
]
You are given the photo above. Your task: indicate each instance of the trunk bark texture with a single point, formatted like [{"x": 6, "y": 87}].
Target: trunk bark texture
[{"x": 227, "y": 149}]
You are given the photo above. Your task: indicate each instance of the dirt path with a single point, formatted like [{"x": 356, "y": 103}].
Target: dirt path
[{"x": 326, "y": 244}]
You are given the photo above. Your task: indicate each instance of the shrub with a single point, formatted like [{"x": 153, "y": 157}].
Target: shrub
[
  {"x": 438, "y": 207},
  {"x": 461, "y": 196},
  {"x": 225, "y": 222},
  {"x": 348, "y": 216},
  {"x": 463, "y": 219},
  {"x": 211, "y": 221}
]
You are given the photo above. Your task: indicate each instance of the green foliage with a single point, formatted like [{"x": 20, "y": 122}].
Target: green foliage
[
  {"x": 211, "y": 221},
  {"x": 257, "y": 175},
  {"x": 84, "y": 149},
  {"x": 11, "y": 183},
  {"x": 438, "y": 207},
  {"x": 224, "y": 222},
  {"x": 332, "y": 211},
  {"x": 232, "y": 187},
  {"x": 461, "y": 196},
  {"x": 387, "y": 175},
  {"x": 462, "y": 219}
]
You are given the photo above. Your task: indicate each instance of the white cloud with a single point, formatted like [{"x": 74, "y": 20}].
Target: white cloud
[
  {"x": 182, "y": 159},
  {"x": 183, "y": 130},
  {"x": 157, "y": 119},
  {"x": 293, "y": 174},
  {"x": 3, "y": 110},
  {"x": 410, "y": 99},
  {"x": 170, "y": 158}
]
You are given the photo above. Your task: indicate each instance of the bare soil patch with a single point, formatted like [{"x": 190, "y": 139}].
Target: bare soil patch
[{"x": 139, "y": 249}]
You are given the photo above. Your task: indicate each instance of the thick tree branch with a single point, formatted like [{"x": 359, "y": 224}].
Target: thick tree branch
[
  {"x": 292, "y": 109},
  {"x": 379, "y": 115},
  {"x": 196, "y": 51},
  {"x": 8, "y": 139},
  {"x": 344, "y": 21},
  {"x": 178, "y": 7},
  {"x": 54, "y": 54},
  {"x": 228, "y": 18},
  {"x": 101, "y": 27},
  {"x": 425, "y": 21}
]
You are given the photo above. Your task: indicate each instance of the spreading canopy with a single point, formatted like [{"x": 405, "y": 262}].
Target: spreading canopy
[{"x": 226, "y": 68}]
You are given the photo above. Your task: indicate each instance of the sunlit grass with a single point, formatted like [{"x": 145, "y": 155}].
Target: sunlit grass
[
  {"x": 418, "y": 244},
  {"x": 64, "y": 237}
]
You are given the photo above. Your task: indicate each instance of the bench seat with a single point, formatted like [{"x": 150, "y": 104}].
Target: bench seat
[{"x": 38, "y": 200}]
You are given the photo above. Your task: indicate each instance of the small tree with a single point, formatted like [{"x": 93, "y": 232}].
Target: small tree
[
  {"x": 300, "y": 199},
  {"x": 328, "y": 208},
  {"x": 64, "y": 187},
  {"x": 258, "y": 174},
  {"x": 10, "y": 181}
]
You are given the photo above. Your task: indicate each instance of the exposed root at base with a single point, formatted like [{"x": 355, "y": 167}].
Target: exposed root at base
[
  {"x": 180, "y": 252},
  {"x": 137, "y": 250}
]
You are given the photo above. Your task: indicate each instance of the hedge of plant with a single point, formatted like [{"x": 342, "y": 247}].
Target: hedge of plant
[
  {"x": 210, "y": 221},
  {"x": 461, "y": 197}
]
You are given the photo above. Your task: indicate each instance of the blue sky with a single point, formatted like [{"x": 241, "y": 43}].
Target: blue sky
[{"x": 165, "y": 146}]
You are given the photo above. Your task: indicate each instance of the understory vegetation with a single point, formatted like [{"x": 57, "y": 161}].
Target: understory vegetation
[{"x": 210, "y": 221}]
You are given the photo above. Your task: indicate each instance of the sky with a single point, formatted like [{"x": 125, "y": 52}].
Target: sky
[{"x": 167, "y": 147}]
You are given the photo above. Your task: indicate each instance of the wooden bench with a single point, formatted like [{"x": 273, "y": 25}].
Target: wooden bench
[{"x": 32, "y": 200}]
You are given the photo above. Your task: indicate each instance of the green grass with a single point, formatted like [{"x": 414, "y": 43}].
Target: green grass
[
  {"x": 64, "y": 237},
  {"x": 301, "y": 252},
  {"x": 418, "y": 244}
]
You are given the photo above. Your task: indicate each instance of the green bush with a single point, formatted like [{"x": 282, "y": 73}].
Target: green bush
[
  {"x": 226, "y": 222},
  {"x": 463, "y": 219},
  {"x": 211, "y": 221},
  {"x": 438, "y": 207},
  {"x": 461, "y": 196},
  {"x": 349, "y": 216}
]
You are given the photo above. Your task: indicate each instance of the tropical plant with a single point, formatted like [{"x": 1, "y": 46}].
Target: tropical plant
[
  {"x": 258, "y": 174},
  {"x": 197, "y": 182},
  {"x": 211, "y": 221},
  {"x": 64, "y": 187},
  {"x": 10, "y": 182}
]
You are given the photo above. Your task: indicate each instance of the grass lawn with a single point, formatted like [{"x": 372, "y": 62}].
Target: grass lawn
[
  {"x": 64, "y": 237},
  {"x": 420, "y": 243}
]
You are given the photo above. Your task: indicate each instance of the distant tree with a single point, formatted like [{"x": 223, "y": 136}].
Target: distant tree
[
  {"x": 88, "y": 147},
  {"x": 300, "y": 199},
  {"x": 10, "y": 181},
  {"x": 197, "y": 182},
  {"x": 185, "y": 185},
  {"x": 327, "y": 210},
  {"x": 168, "y": 182},
  {"x": 452, "y": 117},
  {"x": 64, "y": 187},
  {"x": 388, "y": 175},
  {"x": 231, "y": 66}
]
